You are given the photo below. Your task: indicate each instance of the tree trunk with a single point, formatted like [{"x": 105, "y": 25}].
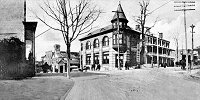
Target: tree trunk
[{"x": 68, "y": 60}]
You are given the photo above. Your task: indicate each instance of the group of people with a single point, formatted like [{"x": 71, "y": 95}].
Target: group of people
[{"x": 95, "y": 67}]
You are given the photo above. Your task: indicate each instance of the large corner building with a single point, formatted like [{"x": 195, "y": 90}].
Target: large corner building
[{"x": 101, "y": 46}]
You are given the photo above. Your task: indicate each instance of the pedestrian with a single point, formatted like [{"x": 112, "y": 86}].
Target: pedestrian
[
  {"x": 93, "y": 67},
  {"x": 98, "y": 67},
  {"x": 126, "y": 66}
]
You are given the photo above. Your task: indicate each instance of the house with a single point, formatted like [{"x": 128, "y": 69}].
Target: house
[{"x": 58, "y": 59}]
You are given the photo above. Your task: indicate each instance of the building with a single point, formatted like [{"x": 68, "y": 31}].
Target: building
[
  {"x": 101, "y": 45},
  {"x": 14, "y": 24},
  {"x": 58, "y": 59},
  {"x": 197, "y": 52},
  {"x": 165, "y": 54},
  {"x": 182, "y": 55}
]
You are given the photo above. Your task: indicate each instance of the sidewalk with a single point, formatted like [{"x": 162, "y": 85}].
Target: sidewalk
[
  {"x": 194, "y": 72},
  {"x": 36, "y": 88}
]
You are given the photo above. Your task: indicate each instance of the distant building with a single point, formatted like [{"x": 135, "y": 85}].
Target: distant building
[
  {"x": 57, "y": 59},
  {"x": 166, "y": 55},
  {"x": 197, "y": 52}
]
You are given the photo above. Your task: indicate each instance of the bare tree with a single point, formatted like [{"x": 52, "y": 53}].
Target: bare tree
[
  {"x": 141, "y": 20},
  {"x": 73, "y": 20}
]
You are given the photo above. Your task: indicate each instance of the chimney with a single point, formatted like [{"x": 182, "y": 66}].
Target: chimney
[
  {"x": 161, "y": 35},
  {"x": 57, "y": 47},
  {"x": 137, "y": 27}
]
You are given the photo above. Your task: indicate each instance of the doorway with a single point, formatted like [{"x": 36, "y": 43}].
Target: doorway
[{"x": 121, "y": 57}]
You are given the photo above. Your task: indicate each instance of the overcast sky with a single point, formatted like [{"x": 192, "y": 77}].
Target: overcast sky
[{"x": 170, "y": 22}]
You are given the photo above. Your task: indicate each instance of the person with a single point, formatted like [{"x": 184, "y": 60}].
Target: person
[
  {"x": 126, "y": 66},
  {"x": 93, "y": 67},
  {"x": 98, "y": 67}
]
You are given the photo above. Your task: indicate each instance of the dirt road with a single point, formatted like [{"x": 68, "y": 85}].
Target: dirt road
[{"x": 140, "y": 84}]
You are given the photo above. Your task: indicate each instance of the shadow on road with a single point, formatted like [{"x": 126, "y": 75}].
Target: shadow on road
[{"x": 72, "y": 74}]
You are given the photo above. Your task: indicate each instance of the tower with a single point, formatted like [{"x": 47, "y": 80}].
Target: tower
[
  {"x": 122, "y": 18},
  {"x": 119, "y": 23}
]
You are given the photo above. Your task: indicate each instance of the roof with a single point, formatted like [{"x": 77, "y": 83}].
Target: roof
[
  {"x": 109, "y": 28},
  {"x": 104, "y": 30},
  {"x": 62, "y": 61},
  {"x": 157, "y": 37},
  {"x": 120, "y": 13},
  {"x": 101, "y": 30}
]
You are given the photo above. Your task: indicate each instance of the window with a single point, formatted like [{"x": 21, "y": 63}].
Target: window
[
  {"x": 81, "y": 46},
  {"x": 122, "y": 39},
  {"x": 149, "y": 41},
  {"x": 167, "y": 44},
  {"x": 154, "y": 41},
  {"x": 105, "y": 57},
  {"x": 88, "y": 59},
  {"x": 105, "y": 41},
  {"x": 96, "y": 43},
  {"x": 125, "y": 39},
  {"x": 163, "y": 43},
  {"x": 88, "y": 45},
  {"x": 159, "y": 42},
  {"x": 114, "y": 38}
]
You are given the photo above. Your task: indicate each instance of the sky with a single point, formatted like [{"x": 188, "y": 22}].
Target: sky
[{"x": 170, "y": 22}]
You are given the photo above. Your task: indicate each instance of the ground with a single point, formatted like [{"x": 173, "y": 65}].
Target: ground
[
  {"x": 135, "y": 84},
  {"x": 37, "y": 88},
  {"x": 138, "y": 84}
]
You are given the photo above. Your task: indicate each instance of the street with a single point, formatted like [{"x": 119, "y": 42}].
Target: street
[{"x": 138, "y": 84}]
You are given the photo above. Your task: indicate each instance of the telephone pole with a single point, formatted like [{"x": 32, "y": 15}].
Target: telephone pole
[
  {"x": 118, "y": 32},
  {"x": 184, "y": 9},
  {"x": 192, "y": 58},
  {"x": 158, "y": 50}
]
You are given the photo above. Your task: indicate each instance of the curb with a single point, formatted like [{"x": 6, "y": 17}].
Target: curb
[
  {"x": 196, "y": 76},
  {"x": 66, "y": 94}
]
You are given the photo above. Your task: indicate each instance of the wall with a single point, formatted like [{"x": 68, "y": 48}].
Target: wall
[{"x": 11, "y": 17}]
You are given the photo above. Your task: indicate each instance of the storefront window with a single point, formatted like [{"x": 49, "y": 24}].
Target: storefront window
[
  {"x": 106, "y": 58},
  {"x": 88, "y": 59}
]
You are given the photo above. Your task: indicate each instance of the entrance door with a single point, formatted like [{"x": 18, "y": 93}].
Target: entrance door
[
  {"x": 120, "y": 60},
  {"x": 61, "y": 69},
  {"x": 96, "y": 58}
]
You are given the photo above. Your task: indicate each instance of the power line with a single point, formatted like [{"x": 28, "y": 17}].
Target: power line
[
  {"x": 184, "y": 9},
  {"x": 161, "y": 6},
  {"x": 43, "y": 32}
]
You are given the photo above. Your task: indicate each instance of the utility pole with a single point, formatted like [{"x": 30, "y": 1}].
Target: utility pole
[
  {"x": 176, "y": 49},
  {"x": 192, "y": 58},
  {"x": 184, "y": 9},
  {"x": 158, "y": 51},
  {"x": 118, "y": 32}
]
